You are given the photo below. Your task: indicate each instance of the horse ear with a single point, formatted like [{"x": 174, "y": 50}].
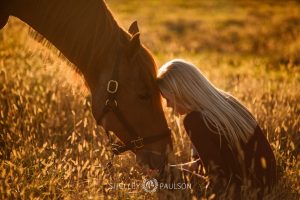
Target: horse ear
[
  {"x": 133, "y": 29},
  {"x": 134, "y": 46},
  {"x": 3, "y": 19}
]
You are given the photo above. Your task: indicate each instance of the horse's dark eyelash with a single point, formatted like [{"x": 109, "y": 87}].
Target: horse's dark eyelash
[{"x": 144, "y": 96}]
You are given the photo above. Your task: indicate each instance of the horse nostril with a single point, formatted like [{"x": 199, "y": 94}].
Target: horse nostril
[
  {"x": 139, "y": 161},
  {"x": 156, "y": 161},
  {"x": 142, "y": 160}
]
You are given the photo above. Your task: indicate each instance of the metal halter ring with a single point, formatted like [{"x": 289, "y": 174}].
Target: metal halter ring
[
  {"x": 108, "y": 104},
  {"x": 112, "y": 86}
]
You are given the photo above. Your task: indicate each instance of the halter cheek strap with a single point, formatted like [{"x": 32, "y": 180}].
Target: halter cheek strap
[{"x": 111, "y": 105}]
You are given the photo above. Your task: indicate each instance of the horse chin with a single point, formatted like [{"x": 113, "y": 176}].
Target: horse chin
[{"x": 149, "y": 160}]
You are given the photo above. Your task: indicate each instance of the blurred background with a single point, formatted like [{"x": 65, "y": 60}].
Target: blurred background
[
  {"x": 50, "y": 146},
  {"x": 245, "y": 29}
]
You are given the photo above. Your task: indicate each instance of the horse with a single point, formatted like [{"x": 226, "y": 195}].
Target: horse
[{"x": 119, "y": 70}]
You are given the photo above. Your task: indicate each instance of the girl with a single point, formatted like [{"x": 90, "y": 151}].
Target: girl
[{"x": 233, "y": 150}]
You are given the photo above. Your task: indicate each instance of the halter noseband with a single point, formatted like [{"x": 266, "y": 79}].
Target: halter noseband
[{"x": 111, "y": 105}]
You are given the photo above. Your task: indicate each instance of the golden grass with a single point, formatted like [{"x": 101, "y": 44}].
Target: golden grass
[{"x": 50, "y": 146}]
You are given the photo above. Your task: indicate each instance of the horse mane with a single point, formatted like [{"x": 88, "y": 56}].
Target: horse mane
[
  {"x": 112, "y": 36},
  {"x": 146, "y": 60},
  {"x": 44, "y": 42},
  {"x": 108, "y": 31}
]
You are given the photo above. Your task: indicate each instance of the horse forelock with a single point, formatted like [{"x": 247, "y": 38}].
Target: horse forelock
[{"x": 148, "y": 62}]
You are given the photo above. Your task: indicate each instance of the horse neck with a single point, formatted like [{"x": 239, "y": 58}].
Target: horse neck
[{"x": 85, "y": 32}]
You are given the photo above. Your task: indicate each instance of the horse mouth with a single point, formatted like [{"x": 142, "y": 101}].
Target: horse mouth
[{"x": 151, "y": 161}]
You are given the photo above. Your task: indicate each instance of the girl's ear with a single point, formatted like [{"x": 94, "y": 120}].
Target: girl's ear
[
  {"x": 133, "y": 29},
  {"x": 134, "y": 46}
]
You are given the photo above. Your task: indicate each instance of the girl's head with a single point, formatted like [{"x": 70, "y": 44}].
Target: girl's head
[
  {"x": 178, "y": 81},
  {"x": 186, "y": 89}
]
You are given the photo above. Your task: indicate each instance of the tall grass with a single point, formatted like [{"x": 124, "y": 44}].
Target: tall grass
[{"x": 50, "y": 146}]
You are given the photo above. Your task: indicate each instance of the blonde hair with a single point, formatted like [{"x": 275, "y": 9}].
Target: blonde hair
[{"x": 193, "y": 91}]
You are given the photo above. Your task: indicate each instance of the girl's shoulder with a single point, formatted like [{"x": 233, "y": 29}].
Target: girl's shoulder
[
  {"x": 192, "y": 118},
  {"x": 193, "y": 114},
  {"x": 196, "y": 121}
]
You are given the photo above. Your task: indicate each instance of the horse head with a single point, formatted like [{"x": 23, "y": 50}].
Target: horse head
[
  {"x": 119, "y": 71},
  {"x": 136, "y": 114}
]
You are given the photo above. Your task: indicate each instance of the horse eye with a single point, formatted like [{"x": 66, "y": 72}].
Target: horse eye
[{"x": 145, "y": 96}]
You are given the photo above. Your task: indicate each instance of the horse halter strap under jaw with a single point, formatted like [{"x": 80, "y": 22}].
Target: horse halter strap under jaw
[{"x": 111, "y": 105}]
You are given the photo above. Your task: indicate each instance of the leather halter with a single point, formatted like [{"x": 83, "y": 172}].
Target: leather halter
[{"x": 111, "y": 105}]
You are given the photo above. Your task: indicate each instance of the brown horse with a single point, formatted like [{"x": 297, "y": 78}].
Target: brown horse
[{"x": 86, "y": 33}]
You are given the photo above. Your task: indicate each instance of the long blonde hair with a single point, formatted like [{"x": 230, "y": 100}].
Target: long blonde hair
[{"x": 193, "y": 91}]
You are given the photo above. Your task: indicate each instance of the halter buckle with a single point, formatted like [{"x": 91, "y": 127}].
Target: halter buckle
[
  {"x": 138, "y": 143},
  {"x": 112, "y": 86}
]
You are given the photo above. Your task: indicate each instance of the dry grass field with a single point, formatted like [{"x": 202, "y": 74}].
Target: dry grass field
[{"x": 50, "y": 146}]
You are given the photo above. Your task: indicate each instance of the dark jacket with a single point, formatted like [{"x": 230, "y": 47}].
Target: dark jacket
[{"x": 226, "y": 165}]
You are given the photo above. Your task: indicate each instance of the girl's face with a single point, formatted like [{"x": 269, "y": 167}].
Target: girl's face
[{"x": 171, "y": 103}]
